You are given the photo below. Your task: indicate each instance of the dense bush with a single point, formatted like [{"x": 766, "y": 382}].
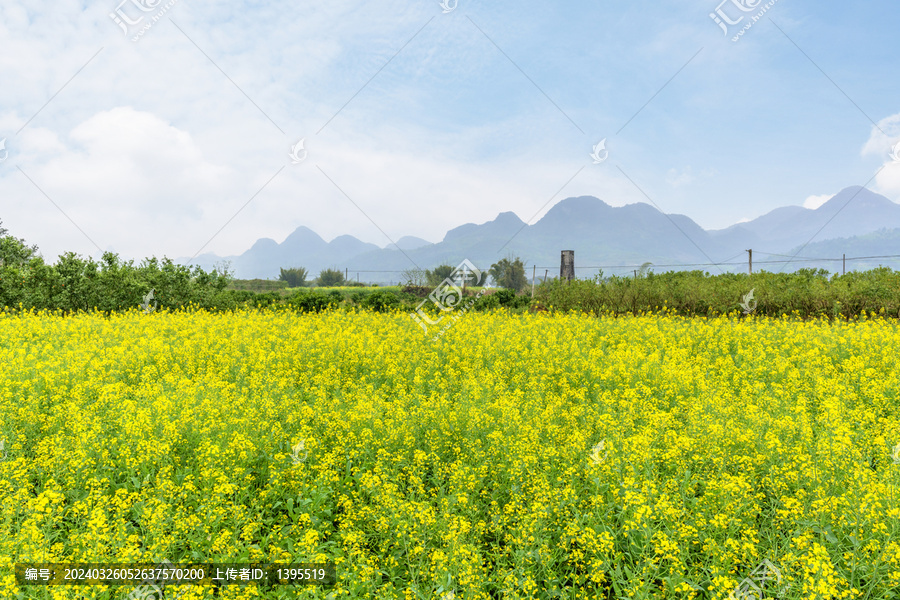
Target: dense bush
[
  {"x": 807, "y": 293},
  {"x": 313, "y": 301},
  {"x": 382, "y": 301},
  {"x": 78, "y": 284},
  {"x": 419, "y": 291}
]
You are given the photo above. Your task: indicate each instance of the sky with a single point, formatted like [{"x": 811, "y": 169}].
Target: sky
[{"x": 178, "y": 127}]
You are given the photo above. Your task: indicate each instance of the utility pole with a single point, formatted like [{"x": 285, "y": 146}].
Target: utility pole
[
  {"x": 751, "y": 260},
  {"x": 533, "y": 274},
  {"x": 545, "y": 274},
  {"x": 346, "y": 272},
  {"x": 844, "y": 269}
]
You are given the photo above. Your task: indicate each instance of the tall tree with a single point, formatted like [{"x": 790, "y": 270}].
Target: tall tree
[
  {"x": 330, "y": 278},
  {"x": 439, "y": 274},
  {"x": 509, "y": 273},
  {"x": 295, "y": 277},
  {"x": 415, "y": 277},
  {"x": 13, "y": 251}
]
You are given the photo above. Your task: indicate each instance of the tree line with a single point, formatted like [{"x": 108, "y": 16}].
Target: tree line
[{"x": 75, "y": 284}]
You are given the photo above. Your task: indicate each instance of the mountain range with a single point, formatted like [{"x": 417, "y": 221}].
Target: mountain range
[{"x": 615, "y": 239}]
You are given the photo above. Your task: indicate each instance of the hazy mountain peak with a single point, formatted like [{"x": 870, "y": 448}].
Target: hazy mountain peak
[
  {"x": 408, "y": 242},
  {"x": 506, "y": 223},
  {"x": 303, "y": 235},
  {"x": 508, "y": 218},
  {"x": 263, "y": 243},
  {"x": 856, "y": 196},
  {"x": 599, "y": 233}
]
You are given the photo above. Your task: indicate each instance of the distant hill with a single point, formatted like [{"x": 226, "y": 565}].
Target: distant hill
[
  {"x": 602, "y": 236},
  {"x": 853, "y": 211},
  {"x": 884, "y": 242},
  {"x": 409, "y": 242}
]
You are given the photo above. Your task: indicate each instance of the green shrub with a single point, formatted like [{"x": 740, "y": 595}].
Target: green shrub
[
  {"x": 487, "y": 302},
  {"x": 382, "y": 301},
  {"x": 310, "y": 301},
  {"x": 505, "y": 296}
]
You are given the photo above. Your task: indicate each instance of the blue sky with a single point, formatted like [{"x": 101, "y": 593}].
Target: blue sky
[{"x": 416, "y": 120}]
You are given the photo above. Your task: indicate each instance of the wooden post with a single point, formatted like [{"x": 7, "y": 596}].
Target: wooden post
[
  {"x": 533, "y": 275},
  {"x": 567, "y": 265},
  {"x": 751, "y": 260},
  {"x": 844, "y": 269},
  {"x": 546, "y": 271}
]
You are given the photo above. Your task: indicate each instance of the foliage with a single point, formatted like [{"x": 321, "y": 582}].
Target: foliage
[
  {"x": 257, "y": 285},
  {"x": 509, "y": 273},
  {"x": 314, "y": 301},
  {"x": 437, "y": 275},
  {"x": 330, "y": 278},
  {"x": 14, "y": 252},
  {"x": 295, "y": 277},
  {"x": 806, "y": 293},
  {"x": 414, "y": 277},
  {"x": 418, "y": 290},
  {"x": 381, "y": 301},
  {"x": 78, "y": 284}
]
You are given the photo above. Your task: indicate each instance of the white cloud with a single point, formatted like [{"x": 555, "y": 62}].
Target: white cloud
[
  {"x": 884, "y": 141},
  {"x": 151, "y": 148},
  {"x": 676, "y": 179},
  {"x": 686, "y": 176},
  {"x": 814, "y": 202},
  {"x": 883, "y": 137}
]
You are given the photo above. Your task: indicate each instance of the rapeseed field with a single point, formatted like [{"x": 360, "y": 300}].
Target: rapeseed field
[{"x": 534, "y": 456}]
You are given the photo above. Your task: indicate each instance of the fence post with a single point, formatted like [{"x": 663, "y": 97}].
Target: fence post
[
  {"x": 751, "y": 260},
  {"x": 567, "y": 265},
  {"x": 844, "y": 268}
]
